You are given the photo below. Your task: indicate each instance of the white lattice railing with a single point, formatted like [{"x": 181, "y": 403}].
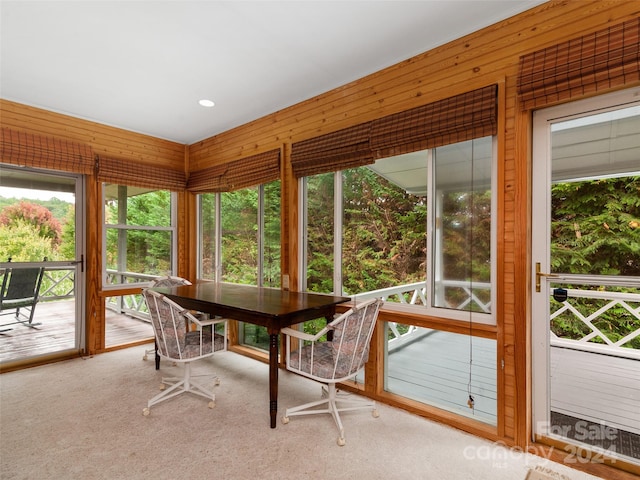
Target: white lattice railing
[
  {"x": 59, "y": 284},
  {"x": 605, "y": 302},
  {"x": 132, "y": 304},
  {"x": 416, "y": 294}
]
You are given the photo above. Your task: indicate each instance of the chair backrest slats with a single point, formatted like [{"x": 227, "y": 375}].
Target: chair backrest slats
[
  {"x": 348, "y": 350},
  {"x": 352, "y": 336},
  {"x": 22, "y": 283},
  {"x": 171, "y": 326}
]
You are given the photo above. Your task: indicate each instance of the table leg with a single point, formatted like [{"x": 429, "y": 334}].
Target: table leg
[
  {"x": 273, "y": 377},
  {"x": 156, "y": 354}
]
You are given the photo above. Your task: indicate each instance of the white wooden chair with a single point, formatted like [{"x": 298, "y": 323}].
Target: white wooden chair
[
  {"x": 178, "y": 343},
  {"x": 338, "y": 358}
]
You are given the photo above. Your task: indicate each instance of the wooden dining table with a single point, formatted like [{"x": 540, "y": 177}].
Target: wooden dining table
[{"x": 268, "y": 307}]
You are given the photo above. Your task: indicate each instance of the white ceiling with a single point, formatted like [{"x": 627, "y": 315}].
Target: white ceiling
[{"x": 143, "y": 65}]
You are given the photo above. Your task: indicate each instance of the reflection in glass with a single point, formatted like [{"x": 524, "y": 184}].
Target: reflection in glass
[
  {"x": 434, "y": 367},
  {"x": 462, "y": 240},
  {"x": 320, "y": 232}
]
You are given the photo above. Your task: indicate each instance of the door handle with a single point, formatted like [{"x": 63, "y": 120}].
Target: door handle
[{"x": 540, "y": 274}]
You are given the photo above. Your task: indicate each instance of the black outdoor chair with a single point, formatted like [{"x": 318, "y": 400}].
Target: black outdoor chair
[{"x": 19, "y": 294}]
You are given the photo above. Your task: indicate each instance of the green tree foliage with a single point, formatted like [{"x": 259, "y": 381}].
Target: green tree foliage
[
  {"x": 466, "y": 229},
  {"x": 272, "y": 235},
  {"x": 240, "y": 236},
  {"x": 384, "y": 233},
  {"x": 153, "y": 249},
  {"x": 67, "y": 248},
  {"x": 207, "y": 233},
  {"x": 320, "y": 236},
  {"x": 21, "y": 241},
  {"x": 595, "y": 230},
  {"x": 147, "y": 251}
]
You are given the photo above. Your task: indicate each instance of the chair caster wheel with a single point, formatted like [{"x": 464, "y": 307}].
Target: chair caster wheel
[
  {"x": 162, "y": 386},
  {"x": 285, "y": 420},
  {"x": 146, "y": 411},
  {"x": 212, "y": 404},
  {"x": 341, "y": 442},
  {"x": 216, "y": 382},
  {"x": 146, "y": 357},
  {"x": 375, "y": 413}
]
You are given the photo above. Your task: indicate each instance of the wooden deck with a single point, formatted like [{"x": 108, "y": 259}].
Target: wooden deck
[
  {"x": 57, "y": 332},
  {"x": 437, "y": 370},
  {"x": 596, "y": 388}
]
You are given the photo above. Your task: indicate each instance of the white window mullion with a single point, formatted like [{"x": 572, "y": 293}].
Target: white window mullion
[
  {"x": 337, "y": 233},
  {"x": 434, "y": 234},
  {"x": 260, "y": 280},
  {"x": 302, "y": 233},
  {"x": 218, "y": 238}
]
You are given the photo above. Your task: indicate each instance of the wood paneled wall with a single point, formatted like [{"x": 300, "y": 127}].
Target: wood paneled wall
[
  {"x": 486, "y": 57},
  {"x": 103, "y": 139},
  {"x": 112, "y": 142},
  {"x": 482, "y": 58}
]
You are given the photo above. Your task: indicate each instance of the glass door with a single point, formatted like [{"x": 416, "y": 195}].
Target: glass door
[
  {"x": 586, "y": 278},
  {"x": 41, "y": 264}
]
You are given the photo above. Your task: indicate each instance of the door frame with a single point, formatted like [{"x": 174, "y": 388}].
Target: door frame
[
  {"x": 540, "y": 245},
  {"x": 78, "y": 262}
]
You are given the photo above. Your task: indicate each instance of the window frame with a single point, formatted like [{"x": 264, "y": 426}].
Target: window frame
[
  {"x": 217, "y": 266},
  {"x": 217, "y": 253},
  {"x": 428, "y": 310},
  {"x": 173, "y": 229}
]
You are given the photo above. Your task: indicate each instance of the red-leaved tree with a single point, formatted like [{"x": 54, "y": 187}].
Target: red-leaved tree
[{"x": 36, "y": 215}]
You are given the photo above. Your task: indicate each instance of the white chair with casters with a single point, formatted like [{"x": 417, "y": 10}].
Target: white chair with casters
[
  {"x": 168, "y": 281},
  {"x": 334, "y": 360},
  {"x": 178, "y": 343},
  {"x": 172, "y": 281}
]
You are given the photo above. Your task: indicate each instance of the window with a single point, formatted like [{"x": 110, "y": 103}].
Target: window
[
  {"x": 320, "y": 232},
  {"x": 462, "y": 226},
  {"x": 240, "y": 243},
  {"x": 138, "y": 235},
  {"x": 416, "y": 229},
  {"x": 138, "y": 245}
]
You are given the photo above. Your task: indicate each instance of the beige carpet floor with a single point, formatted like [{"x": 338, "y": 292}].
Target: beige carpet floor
[{"x": 82, "y": 419}]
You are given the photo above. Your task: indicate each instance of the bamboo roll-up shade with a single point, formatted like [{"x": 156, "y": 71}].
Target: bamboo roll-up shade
[
  {"x": 243, "y": 173},
  {"x": 451, "y": 120},
  {"x": 126, "y": 172},
  {"x": 334, "y": 151},
  {"x": 595, "y": 62},
  {"x": 208, "y": 180},
  {"x": 31, "y": 150}
]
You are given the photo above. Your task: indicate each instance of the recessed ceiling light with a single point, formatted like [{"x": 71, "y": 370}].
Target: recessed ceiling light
[{"x": 206, "y": 103}]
